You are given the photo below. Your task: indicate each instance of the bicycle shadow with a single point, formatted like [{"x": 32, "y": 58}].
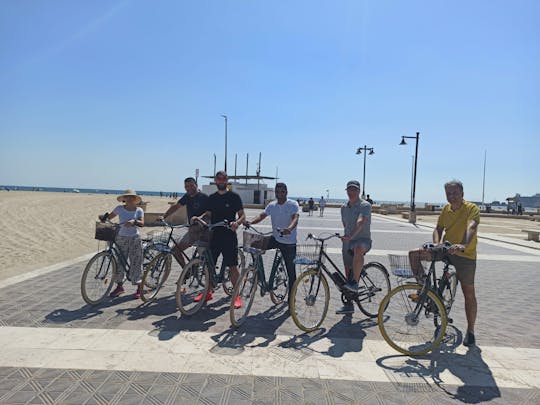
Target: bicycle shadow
[
  {"x": 339, "y": 336},
  {"x": 234, "y": 340},
  {"x": 478, "y": 384},
  {"x": 63, "y": 316}
]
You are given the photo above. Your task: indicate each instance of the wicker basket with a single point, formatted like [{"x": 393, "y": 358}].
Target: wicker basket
[
  {"x": 255, "y": 240},
  {"x": 161, "y": 236},
  {"x": 307, "y": 254},
  {"x": 106, "y": 231},
  {"x": 400, "y": 266}
]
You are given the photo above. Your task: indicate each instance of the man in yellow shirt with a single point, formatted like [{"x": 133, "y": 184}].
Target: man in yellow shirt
[{"x": 458, "y": 222}]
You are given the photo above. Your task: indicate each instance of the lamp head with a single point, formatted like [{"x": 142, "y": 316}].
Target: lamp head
[
  {"x": 403, "y": 141},
  {"x": 359, "y": 151},
  {"x": 371, "y": 152}
]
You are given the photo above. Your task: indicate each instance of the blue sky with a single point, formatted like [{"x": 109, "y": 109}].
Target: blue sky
[{"x": 116, "y": 94}]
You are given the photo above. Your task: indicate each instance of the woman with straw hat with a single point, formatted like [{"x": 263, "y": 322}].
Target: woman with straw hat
[{"x": 131, "y": 217}]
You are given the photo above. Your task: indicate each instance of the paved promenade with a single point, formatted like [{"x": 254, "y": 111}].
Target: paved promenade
[{"x": 54, "y": 349}]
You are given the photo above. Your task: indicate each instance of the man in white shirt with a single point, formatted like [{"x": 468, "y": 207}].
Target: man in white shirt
[{"x": 284, "y": 214}]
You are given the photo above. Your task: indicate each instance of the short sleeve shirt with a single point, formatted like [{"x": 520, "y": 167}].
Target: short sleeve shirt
[
  {"x": 281, "y": 216},
  {"x": 455, "y": 225},
  {"x": 224, "y": 206},
  {"x": 351, "y": 214},
  {"x": 125, "y": 216},
  {"x": 196, "y": 205}
]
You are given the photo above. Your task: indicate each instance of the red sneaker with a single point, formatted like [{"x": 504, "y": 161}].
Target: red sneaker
[
  {"x": 209, "y": 296},
  {"x": 138, "y": 293},
  {"x": 238, "y": 302},
  {"x": 117, "y": 291}
]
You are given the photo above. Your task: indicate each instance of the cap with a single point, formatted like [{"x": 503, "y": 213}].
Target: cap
[{"x": 353, "y": 183}]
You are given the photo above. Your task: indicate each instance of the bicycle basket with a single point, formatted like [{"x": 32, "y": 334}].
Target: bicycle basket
[
  {"x": 400, "y": 266},
  {"x": 255, "y": 240},
  {"x": 161, "y": 236},
  {"x": 106, "y": 231},
  {"x": 307, "y": 254}
]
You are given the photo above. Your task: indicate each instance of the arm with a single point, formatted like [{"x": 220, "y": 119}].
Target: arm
[
  {"x": 171, "y": 210},
  {"x": 239, "y": 221},
  {"x": 292, "y": 225},
  {"x": 437, "y": 234},
  {"x": 201, "y": 219},
  {"x": 357, "y": 229},
  {"x": 472, "y": 228},
  {"x": 258, "y": 218}
]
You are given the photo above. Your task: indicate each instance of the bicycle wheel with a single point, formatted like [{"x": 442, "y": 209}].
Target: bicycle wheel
[
  {"x": 309, "y": 300},
  {"x": 280, "y": 283},
  {"x": 97, "y": 278},
  {"x": 155, "y": 274},
  {"x": 245, "y": 288},
  {"x": 448, "y": 291},
  {"x": 374, "y": 285},
  {"x": 192, "y": 286},
  {"x": 227, "y": 284},
  {"x": 410, "y": 327}
]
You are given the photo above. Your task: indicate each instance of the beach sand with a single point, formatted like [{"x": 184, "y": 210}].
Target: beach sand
[{"x": 45, "y": 228}]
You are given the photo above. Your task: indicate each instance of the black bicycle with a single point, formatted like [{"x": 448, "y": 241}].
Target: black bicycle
[
  {"x": 310, "y": 296},
  {"x": 413, "y": 317},
  {"x": 253, "y": 275}
]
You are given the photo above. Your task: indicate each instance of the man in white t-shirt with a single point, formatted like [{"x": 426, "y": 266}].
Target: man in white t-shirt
[{"x": 284, "y": 214}]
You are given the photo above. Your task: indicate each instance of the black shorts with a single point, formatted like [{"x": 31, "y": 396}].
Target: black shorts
[{"x": 225, "y": 243}]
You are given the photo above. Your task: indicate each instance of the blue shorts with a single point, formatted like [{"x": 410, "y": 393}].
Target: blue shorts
[{"x": 348, "y": 249}]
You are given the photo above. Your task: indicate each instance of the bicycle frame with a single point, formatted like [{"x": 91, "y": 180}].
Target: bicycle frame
[
  {"x": 430, "y": 283},
  {"x": 259, "y": 265}
]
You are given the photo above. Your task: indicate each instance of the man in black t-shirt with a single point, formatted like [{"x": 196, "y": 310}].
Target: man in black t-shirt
[
  {"x": 225, "y": 205},
  {"x": 196, "y": 204}
]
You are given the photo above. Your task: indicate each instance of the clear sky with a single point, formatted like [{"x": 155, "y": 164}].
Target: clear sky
[{"x": 117, "y": 94}]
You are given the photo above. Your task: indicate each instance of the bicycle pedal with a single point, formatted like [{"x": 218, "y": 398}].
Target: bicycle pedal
[{"x": 450, "y": 320}]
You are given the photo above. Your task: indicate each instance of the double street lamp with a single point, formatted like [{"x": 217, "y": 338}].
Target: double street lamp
[
  {"x": 225, "y": 168},
  {"x": 412, "y": 215},
  {"x": 358, "y": 152}
]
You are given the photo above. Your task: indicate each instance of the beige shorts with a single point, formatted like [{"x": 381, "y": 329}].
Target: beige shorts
[{"x": 194, "y": 234}]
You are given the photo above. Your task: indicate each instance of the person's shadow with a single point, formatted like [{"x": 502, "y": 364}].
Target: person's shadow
[{"x": 478, "y": 382}]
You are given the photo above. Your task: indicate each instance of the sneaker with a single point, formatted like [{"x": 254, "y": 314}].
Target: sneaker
[
  {"x": 138, "y": 293},
  {"x": 209, "y": 296},
  {"x": 117, "y": 291},
  {"x": 352, "y": 286},
  {"x": 469, "y": 340},
  {"x": 348, "y": 308},
  {"x": 238, "y": 302},
  {"x": 413, "y": 297}
]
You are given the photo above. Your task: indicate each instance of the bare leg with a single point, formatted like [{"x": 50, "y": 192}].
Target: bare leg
[
  {"x": 358, "y": 262},
  {"x": 470, "y": 305}
]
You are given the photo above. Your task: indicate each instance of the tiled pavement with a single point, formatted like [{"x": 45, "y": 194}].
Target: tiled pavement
[{"x": 508, "y": 316}]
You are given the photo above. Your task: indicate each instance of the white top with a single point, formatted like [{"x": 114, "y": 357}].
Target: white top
[
  {"x": 125, "y": 216},
  {"x": 281, "y": 216}
]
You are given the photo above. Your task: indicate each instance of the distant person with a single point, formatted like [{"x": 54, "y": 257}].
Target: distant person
[
  {"x": 284, "y": 216},
  {"x": 457, "y": 224},
  {"x": 311, "y": 206},
  {"x": 322, "y": 205},
  {"x": 369, "y": 200},
  {"x": 131, "y": 217},
  {"x": 196, "y": 203},
  {"x": 356, "y": 219},
  {"x": 520, "y": 209}
]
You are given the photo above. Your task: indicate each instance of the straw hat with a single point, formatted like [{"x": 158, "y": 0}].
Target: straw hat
[{"x": 129, "y": 191}]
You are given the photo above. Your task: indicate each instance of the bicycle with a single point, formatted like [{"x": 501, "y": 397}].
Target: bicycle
[
  {"x": 160, "y": 253},
  {"x": 256, "y": 243},
  {"x": 200, "y": 273},
  {"x": 98, "y": 275},
  {"x": 413, "y": 317},
  {"x": 312, "y": 286}
]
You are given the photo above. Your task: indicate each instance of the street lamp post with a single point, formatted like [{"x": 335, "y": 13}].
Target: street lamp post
[
  {"x": 358, "y": 152},
  {"x": 224, "y": 116},
  {"x": 412, "y": 214}
]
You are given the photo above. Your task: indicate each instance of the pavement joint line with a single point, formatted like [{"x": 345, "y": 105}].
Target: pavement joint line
[
  {"x": 27, "y": 347},
  {"x": 44, "y": 270}
]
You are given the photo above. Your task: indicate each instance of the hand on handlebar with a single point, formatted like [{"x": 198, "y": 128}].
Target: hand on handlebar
[
  {"x": 458, "y": 247},
  {"x": 103, "y": 217}
]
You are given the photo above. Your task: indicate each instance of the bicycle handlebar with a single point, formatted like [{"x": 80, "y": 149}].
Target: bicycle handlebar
[
  {"x": 441, "y": 247},
  {"x": 249, "y": 226},
  {"x": 318, "y": 238},
  {"x": 162, "y": 220}
]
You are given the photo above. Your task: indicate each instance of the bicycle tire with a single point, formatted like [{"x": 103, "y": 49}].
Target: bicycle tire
[
  {"x": 245, "y": 288},
  {"x": 280, "y": 283},
  {"x": 155, "y": 274},
  {"x": 414, "y": 335},
  {"x": 448, "y": 291},
  {"x": 308, "y": 287},
  {"x": 227, "y": 284},
  {"x": 194, "y": 280},
  {"x": 98, "y": 277},
  {"x": 376, "y": 282}
]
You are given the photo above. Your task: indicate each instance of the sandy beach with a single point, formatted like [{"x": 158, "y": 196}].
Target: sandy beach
[{"x": 45, "y": 228}]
